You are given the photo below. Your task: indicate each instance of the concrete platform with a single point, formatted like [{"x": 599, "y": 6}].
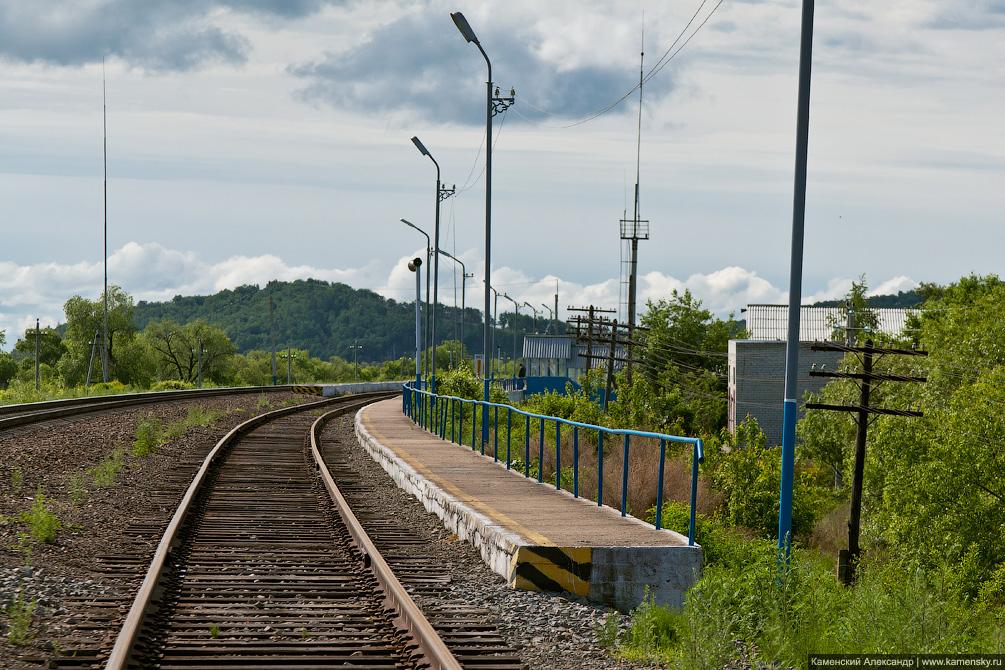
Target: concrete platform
[{"x": 532, "y": 534}]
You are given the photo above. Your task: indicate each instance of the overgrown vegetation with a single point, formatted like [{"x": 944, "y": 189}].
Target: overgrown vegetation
[
  {"x": 19, "y": 614},
  {"x": 932, "y": 578},
  {"x": 42, "y": 523},
  {"x": 104, "y": 473}
]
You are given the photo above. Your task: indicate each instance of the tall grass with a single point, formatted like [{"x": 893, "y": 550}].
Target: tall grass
[{"x": 745, "y": 605}]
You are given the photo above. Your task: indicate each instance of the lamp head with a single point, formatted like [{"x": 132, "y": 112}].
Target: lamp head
[
  {"x": 418, "y": 144},
  {"x": 462, "y": 25},
  {"x": 414, "y": 264}
]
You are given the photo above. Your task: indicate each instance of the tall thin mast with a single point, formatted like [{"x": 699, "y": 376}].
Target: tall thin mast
[
  {"x": 104, "y": 156},
  {"x": 632, "y": 277}
]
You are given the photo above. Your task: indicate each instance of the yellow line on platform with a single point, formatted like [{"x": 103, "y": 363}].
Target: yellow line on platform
[{"x": 473, "y": 501}]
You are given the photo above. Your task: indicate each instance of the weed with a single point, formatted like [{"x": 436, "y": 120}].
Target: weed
[
  {"x": 104, "y": 473},
  {"x": 607, "y": 632},
  {"x": 263, "y": 401},
  {"x": 20, "y": 613},
  {"x": 304, "y": 634},
  {"x": 214, "y": 631},
  {"x": 77, "y": 491},
  {"x": 290, "y": 401},
  {"x": 197, "y": 416},
  {"x": 148, "y": 436},
  {"x": 42, "y": 523},
  {"x": 16, "y": 481}
]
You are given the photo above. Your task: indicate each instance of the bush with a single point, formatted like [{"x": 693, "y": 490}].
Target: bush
[
  {"x": 172, "y": 385},
  {"x": 749, "y": 474}
]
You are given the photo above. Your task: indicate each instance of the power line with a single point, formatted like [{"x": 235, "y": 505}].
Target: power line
[{"x": 660, "y": 64}]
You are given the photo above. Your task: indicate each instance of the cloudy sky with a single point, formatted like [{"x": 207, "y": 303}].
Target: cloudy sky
[{"x": 250, "y": 140}]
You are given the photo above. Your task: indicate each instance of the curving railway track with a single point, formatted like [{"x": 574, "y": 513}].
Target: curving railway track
[{"x": 264, "y": 565}]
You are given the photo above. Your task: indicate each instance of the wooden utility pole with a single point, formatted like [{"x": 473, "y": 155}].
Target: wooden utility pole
[{"x": 848, "y": 559}]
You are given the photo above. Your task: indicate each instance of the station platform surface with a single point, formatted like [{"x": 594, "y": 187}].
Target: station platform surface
[{"x": 533, "y": 535}]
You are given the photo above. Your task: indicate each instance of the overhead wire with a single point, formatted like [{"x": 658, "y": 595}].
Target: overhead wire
[{"x": 667, "y": 56}]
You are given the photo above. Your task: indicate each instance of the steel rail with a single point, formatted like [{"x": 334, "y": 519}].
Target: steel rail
[
  {"x": 27, "y": 413},
  {"x": 144, "y": 603},
  {"x": 430, "y": 647}
]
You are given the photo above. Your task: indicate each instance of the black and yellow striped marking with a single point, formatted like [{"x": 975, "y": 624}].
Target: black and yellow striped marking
[
  {"x": 309, "y": 390},
  {"x": 552, "y": 569}
]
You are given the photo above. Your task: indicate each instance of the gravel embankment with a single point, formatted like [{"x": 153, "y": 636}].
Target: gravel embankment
[
  {"x": 59, "y": 459},
  {"x": 548, "y": 630}
]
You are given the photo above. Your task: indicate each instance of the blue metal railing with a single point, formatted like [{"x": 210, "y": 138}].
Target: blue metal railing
[{"x": 445, "y": 416}]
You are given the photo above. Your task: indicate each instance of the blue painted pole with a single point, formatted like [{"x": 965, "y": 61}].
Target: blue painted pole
[
  {"x": 600, "y": 468},
  {"x": 789, "y": 409},
  {"x": 695, "y": 459},
  {"x": 624, "y": 478},
  {"x": 659, "y": 485},
  {"x": 575, "y": 461},
  {"x": 558, "y": 454}
]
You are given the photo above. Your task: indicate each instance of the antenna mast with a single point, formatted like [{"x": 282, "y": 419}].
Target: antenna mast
[
  {"x": 635, "y": 229},
  {"x": 104, "y": 156}
]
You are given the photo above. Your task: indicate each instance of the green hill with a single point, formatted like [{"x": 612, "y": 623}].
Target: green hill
[{"x": 324, "y": 318}]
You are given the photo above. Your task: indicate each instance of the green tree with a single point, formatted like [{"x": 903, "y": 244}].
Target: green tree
[
  {"x": 680, "y": 384},
  {"x": 84, "y": 318},
  {"x": 865, "y": 321},
  {"x": 50, "y": 345},
  {"x": 176, "y": 350}
]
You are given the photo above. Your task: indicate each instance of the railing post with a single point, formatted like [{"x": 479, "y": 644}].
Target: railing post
[
  {"x": 540, "y": 455},
  {"x": 509, "y": 433},
  {"x": 624, "y": 478},
  {"x": 575, "y": 461},
  {"x": 694, "y": 491},
  {"x": 600, "y": 468},
  {"x": 495, "y": 447},
  {"x": 526, "y": 448},
  {"x": 558, "y": 454},
  {"x": 659, "y": 489}
]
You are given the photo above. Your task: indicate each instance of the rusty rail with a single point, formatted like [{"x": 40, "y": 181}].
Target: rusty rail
[{"x": 431, "y": 648}]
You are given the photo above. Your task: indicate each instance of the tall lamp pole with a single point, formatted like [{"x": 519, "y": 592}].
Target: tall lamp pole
[
  {"x": 490, "y": 109},
  {"x": 516, "y": 316},
  {"x": 789, "y": 408},
  {"x": 535, "y": 315},
  {"x": 441, "y": 194},
  {"x": 464, "y": 277},
  {"x": 550, "y": 311},
  {"x": 429, "y": 250},
  {"x": 414, "y": 265}
]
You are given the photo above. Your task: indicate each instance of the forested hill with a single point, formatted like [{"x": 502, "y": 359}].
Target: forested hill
[
  {"x": 902, "y": 299},
  {"x": 323, "y": 318}
]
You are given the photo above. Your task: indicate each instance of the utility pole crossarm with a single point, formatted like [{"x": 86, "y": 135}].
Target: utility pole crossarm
[
  {"x": 884, "y": 377},
  {"x": 835, "y": 346},
  {"x": 863, "y": 409}
]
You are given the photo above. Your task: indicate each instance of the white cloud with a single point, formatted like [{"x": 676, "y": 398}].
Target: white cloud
[{"x": 154, "y": 273}]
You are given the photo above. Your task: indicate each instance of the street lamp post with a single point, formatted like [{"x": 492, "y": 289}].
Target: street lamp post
[
  {"x": 516, "y": 316},
  {"x": 495, "y": 322},
  {"x": 469, "y": 35},
  {"x": 464, "y": 277},
  {"x": 429, "y": 250},
  {"x": 552, "y": 313},
  {"x": 413, "y": 265},
  {"x": 441, "y": 193},
  {"x": 789, "y": 406},
  {"x": 535, "y": 315}
]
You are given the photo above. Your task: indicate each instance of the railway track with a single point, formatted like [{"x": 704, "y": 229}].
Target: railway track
[
  {"x": 259, "y": 569},
  {"x": 14, "y": 416}
]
